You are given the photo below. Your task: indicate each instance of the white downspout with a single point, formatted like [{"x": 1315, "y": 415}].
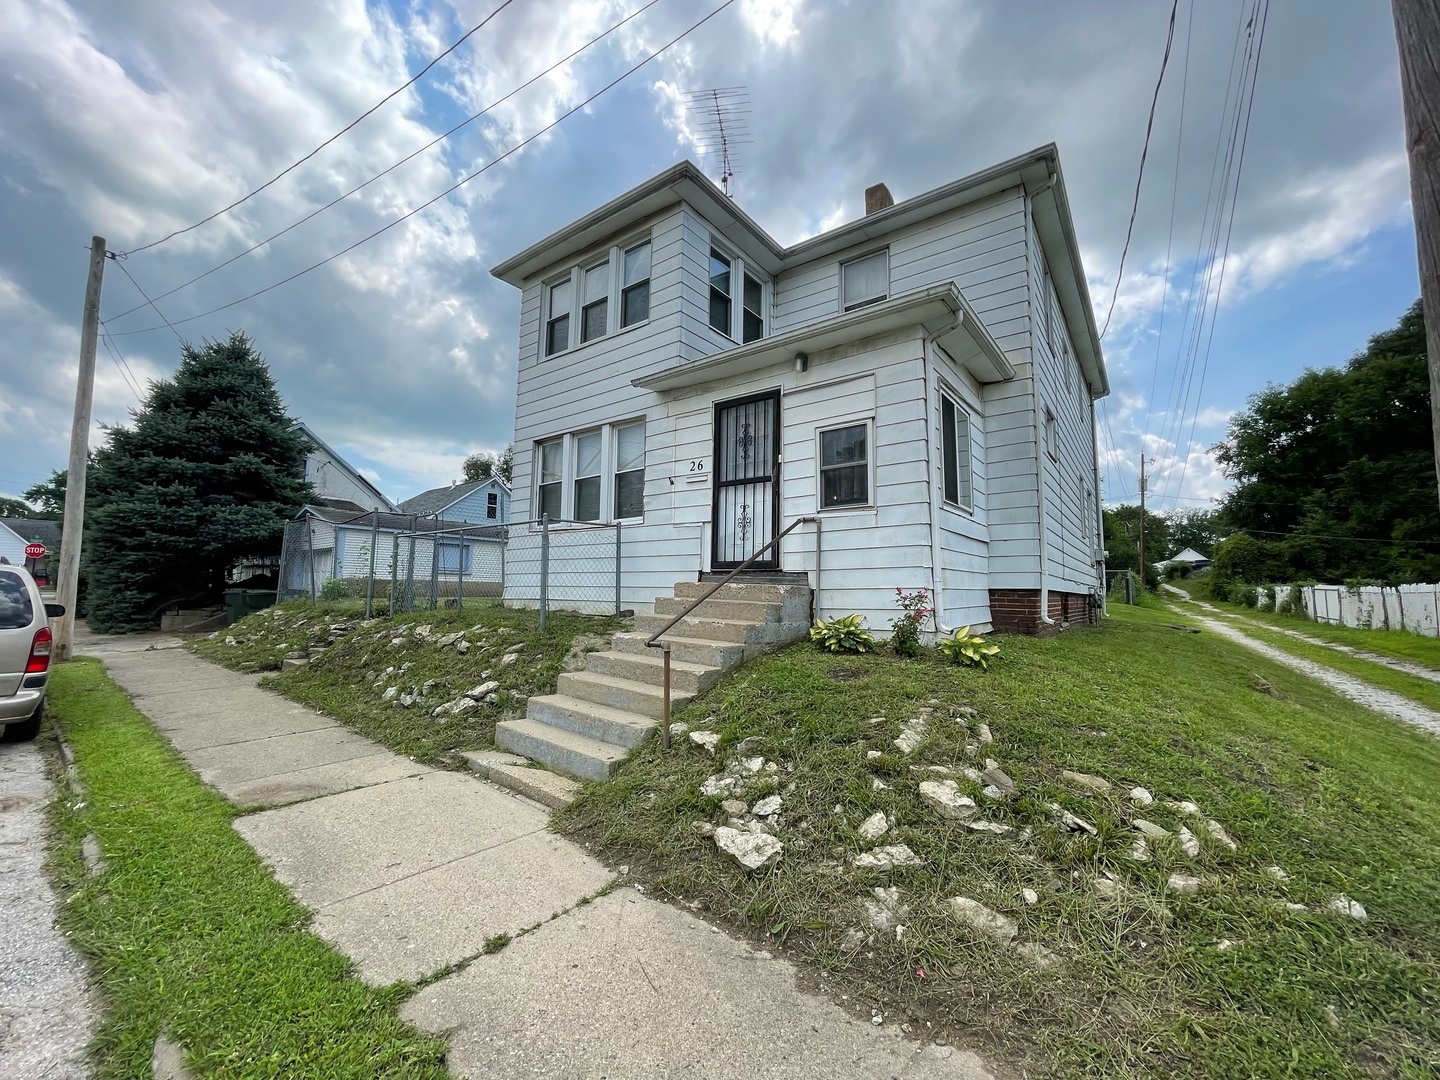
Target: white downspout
[
  {"x": 1039, "y": 421},
  {"x": 1099, "y": 512}
]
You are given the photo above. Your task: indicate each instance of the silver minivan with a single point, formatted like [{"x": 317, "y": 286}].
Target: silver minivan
[{"x": 24, "y": 653}]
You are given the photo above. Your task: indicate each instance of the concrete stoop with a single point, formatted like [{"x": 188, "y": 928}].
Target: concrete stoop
[{"x": 597, "y": 716}]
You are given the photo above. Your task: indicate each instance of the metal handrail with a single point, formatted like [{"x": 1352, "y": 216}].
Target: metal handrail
[{"x": 653, "y": 642}]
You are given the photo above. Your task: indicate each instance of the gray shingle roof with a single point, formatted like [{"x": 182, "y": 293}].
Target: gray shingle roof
[
  {"x": 43, "y": 530},
  {"x": 436, "y": 499}
]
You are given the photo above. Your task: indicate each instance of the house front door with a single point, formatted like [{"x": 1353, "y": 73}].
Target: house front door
[{"x": 746, "y": 500}]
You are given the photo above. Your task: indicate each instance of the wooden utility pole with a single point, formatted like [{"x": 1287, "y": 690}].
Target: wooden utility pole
[
  {"x": 1142, "y": 522},
  {"x": 1417, "y": 32},
  {"x": 74, "y": 523}
]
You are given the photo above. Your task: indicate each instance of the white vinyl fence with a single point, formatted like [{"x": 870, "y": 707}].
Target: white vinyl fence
[{"x": 1415, "y": 608}]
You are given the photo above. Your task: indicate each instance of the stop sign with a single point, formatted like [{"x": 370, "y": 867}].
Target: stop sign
[{"x": 34, "y": 551}]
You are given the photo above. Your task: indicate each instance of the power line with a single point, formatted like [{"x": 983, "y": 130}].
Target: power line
[
  {"x": 407, "y": 158},
  {"x": 1229, "y": 230},
  {"x": 119, "y": 260},
  {"x": 1144, "y": 151},
  {"x": 118, "y": 359},
  {"x": 458, "y": 184},
  {"x": 331, "y": 139}
]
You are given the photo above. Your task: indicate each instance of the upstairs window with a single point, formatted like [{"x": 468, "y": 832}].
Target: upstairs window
[
  {"x": 635, "y": 296},
  {"x": 597, "y": 302},
  {"x": 557, "y": 330},
  {"x": 956, "y": 471},
  {"x": 865, "y": 281},
  {"x": 720, "y": 302},
  {"x": 630, "y": 471},
  {"x": 753, "y": 317},
  {"x": 492, "y": 506},
  {"x": 551, "y": 476},
  {"x": 587, "y": 476},
  {"x": 845, "y": 466},
  {"x": 1052, "y": 441}
]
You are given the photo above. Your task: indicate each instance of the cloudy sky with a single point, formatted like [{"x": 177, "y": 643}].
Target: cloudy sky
[{"x": 133, "y": 119}]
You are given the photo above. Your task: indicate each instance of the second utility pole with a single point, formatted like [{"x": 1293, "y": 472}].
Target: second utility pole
[
  {"x": 73, "y": 525},
  {"x": 1142, "y": 522}
]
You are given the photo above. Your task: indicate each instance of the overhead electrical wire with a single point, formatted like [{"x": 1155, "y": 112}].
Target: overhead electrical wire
[
  {"x": 118, "y": 359},
  {"x": 453, "y": 187},
  {"x": 1144, "y": 152},
  {"x": 119, "y": 260},
  {"x": 407, "y": 158},
  {"x": 296, "y": 164},
  {"x": 1229, "y": 230}
]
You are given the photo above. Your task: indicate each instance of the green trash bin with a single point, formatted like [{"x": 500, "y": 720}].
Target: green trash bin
[{"x": 234, "y": 605}]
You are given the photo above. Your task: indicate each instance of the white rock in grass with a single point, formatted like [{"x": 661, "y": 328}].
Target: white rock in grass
[
  {"x": 734, "y": 807},
  {"x": 479, "y": 692},
  {"x": 879, "y": 785},
  {"x": 983, "y": 733},
  {"x": 1108, "y": 888},
  {"x": 873, "y": 827},
  {"x": 945, "y": 797},
  {"x": 998, "y": 778},
  {"x": 1277, "y": 873},
  {"x": 990, "y": 923},
  {"x": 912, "y": 734},
  {"x": 1140, "y": 850},
  {"x": 508, "y": 659},
  {"x": 1290, "y": 905},
  {"x": 989, "y": 827},
  {"x": 1216, "y": 830},
  {"x": 718, "y": 785},
  {"x": 1189, "y": 843},
  {"x": 1070, "y": 822},
  {"x": 1150, "y": 829},
  {"x": 1085, "y": 780},
  {"x": 707, "y": 740},
  {"x": 887, "y": 858},
  {"x": 1184, "y": 806},
  {"x": 1184, "y": 883},
  {"x": 993, "y": 793},
  {"x": 390, "y": 693},
  {"x": 462, "y": 646},
  {"x": 747, "y": 766},
  {"x": 446, "y": 640},
  {"x": 463, "y": 705},
  {"x": 768, "y": 806},
  {"x": 1140, "y": 797},
  {"x": 871, "y": 755},
  {"x": 1030, "y": 896},
  {"x": 1345, "y": 906},
  {"x": 886, "y": 908},
  {"x": 703, "y": 828},
  {"x": 1038, "y": 954},
  {"x": 752, "y": 850}
]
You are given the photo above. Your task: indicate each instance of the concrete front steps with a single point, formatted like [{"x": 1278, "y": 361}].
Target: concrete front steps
[{"x": 597, "y": 716}]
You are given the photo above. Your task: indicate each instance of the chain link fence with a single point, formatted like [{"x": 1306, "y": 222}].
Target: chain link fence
[{"x": 411, "y": 562}]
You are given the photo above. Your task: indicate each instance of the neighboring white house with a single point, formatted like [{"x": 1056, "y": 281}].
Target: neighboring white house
[
  {"x": 12, "y": 546},
  {"x": 335, "y": 481},
  {"x": 1189, "y": 557},
  {"x": 919, "y": 383},
  {"x": 485, "y": 502}
]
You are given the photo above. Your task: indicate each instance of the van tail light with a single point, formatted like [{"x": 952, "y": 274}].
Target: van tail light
[{"x": 39, "y": 652}]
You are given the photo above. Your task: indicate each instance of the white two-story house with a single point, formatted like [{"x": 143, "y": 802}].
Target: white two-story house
[{"x": 918, "y": 385}]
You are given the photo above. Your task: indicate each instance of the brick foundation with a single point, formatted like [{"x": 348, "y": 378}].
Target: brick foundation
[{"x": 1017, "y": 611}]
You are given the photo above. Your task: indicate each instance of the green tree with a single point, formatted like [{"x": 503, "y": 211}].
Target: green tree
[
  {"x": 209, "y": 472},
  {"x": 484, "y": 465},
  {"x": 1335, "y": 472},
  {"x": 49, "y": 495},
  {"x": 1195, "y": 528},
  {"x": 1122, "y": 539},
  {"x": 16, "y": 508}
]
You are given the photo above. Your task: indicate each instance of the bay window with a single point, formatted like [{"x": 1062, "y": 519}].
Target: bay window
[
  {"x": 957, "y": 474},
  {"x": 720, "y": 303},
  {"x": 737, "y": 298},
  {"x": 635, "y": 295}
]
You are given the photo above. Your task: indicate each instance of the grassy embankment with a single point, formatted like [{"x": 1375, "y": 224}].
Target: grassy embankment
[{"x": 1225, "y": 982}]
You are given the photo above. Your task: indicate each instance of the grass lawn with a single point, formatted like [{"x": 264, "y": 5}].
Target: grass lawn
[
  {"x": 1227, "y": 982},
  {"x": 1421, "y": 691},
  {"x": 1396, "y": 644},
  {"x": 187, "y": 932},
  {"x": 350, "y": 680}
]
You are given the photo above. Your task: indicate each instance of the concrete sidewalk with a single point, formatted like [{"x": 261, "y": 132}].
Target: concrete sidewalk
[{"x": 412, "y": 870}]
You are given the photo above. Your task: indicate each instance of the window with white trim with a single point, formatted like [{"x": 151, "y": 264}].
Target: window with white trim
[
  {"x": 492, "y": 505},
  {"x": 585, "y": 304},
  {"x": 865, "y": 281},
  {"x": 1052, "y": 443},
  {"x": 592, "y": 475},
  {"x": 629, "y": 471},
  {"x": 550, "y": 478},
  {"x": 737, "y": 298},
  {"x": 957, "y": 472},
  {"x": 587, "y": 476},
  {"x": 845, "y": 466},
  {"x": 455, "y": 557}
]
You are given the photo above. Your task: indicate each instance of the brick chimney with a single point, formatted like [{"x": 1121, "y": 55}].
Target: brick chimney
[{"x": 877, "y": 198}]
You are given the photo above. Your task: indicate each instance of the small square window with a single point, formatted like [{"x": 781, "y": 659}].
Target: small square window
[
  {"x": 845, "y": 466},
  {"x": 865, "y": 281},
  {"x": 720, "y": 295}
]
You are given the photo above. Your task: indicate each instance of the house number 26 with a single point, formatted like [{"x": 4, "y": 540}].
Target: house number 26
[{"x": 697, "y": 466}]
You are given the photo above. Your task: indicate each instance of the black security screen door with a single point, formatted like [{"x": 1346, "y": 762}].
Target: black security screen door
[{"x": 747, "y": 472}]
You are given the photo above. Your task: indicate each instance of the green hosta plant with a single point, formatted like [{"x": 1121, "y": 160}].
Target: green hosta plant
[
  {"x": 845, "y": 634},
  {"x": 965, "y": 648}
]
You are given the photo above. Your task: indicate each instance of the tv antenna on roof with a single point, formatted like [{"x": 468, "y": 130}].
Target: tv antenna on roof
[{"x": 720, "y": 121}]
